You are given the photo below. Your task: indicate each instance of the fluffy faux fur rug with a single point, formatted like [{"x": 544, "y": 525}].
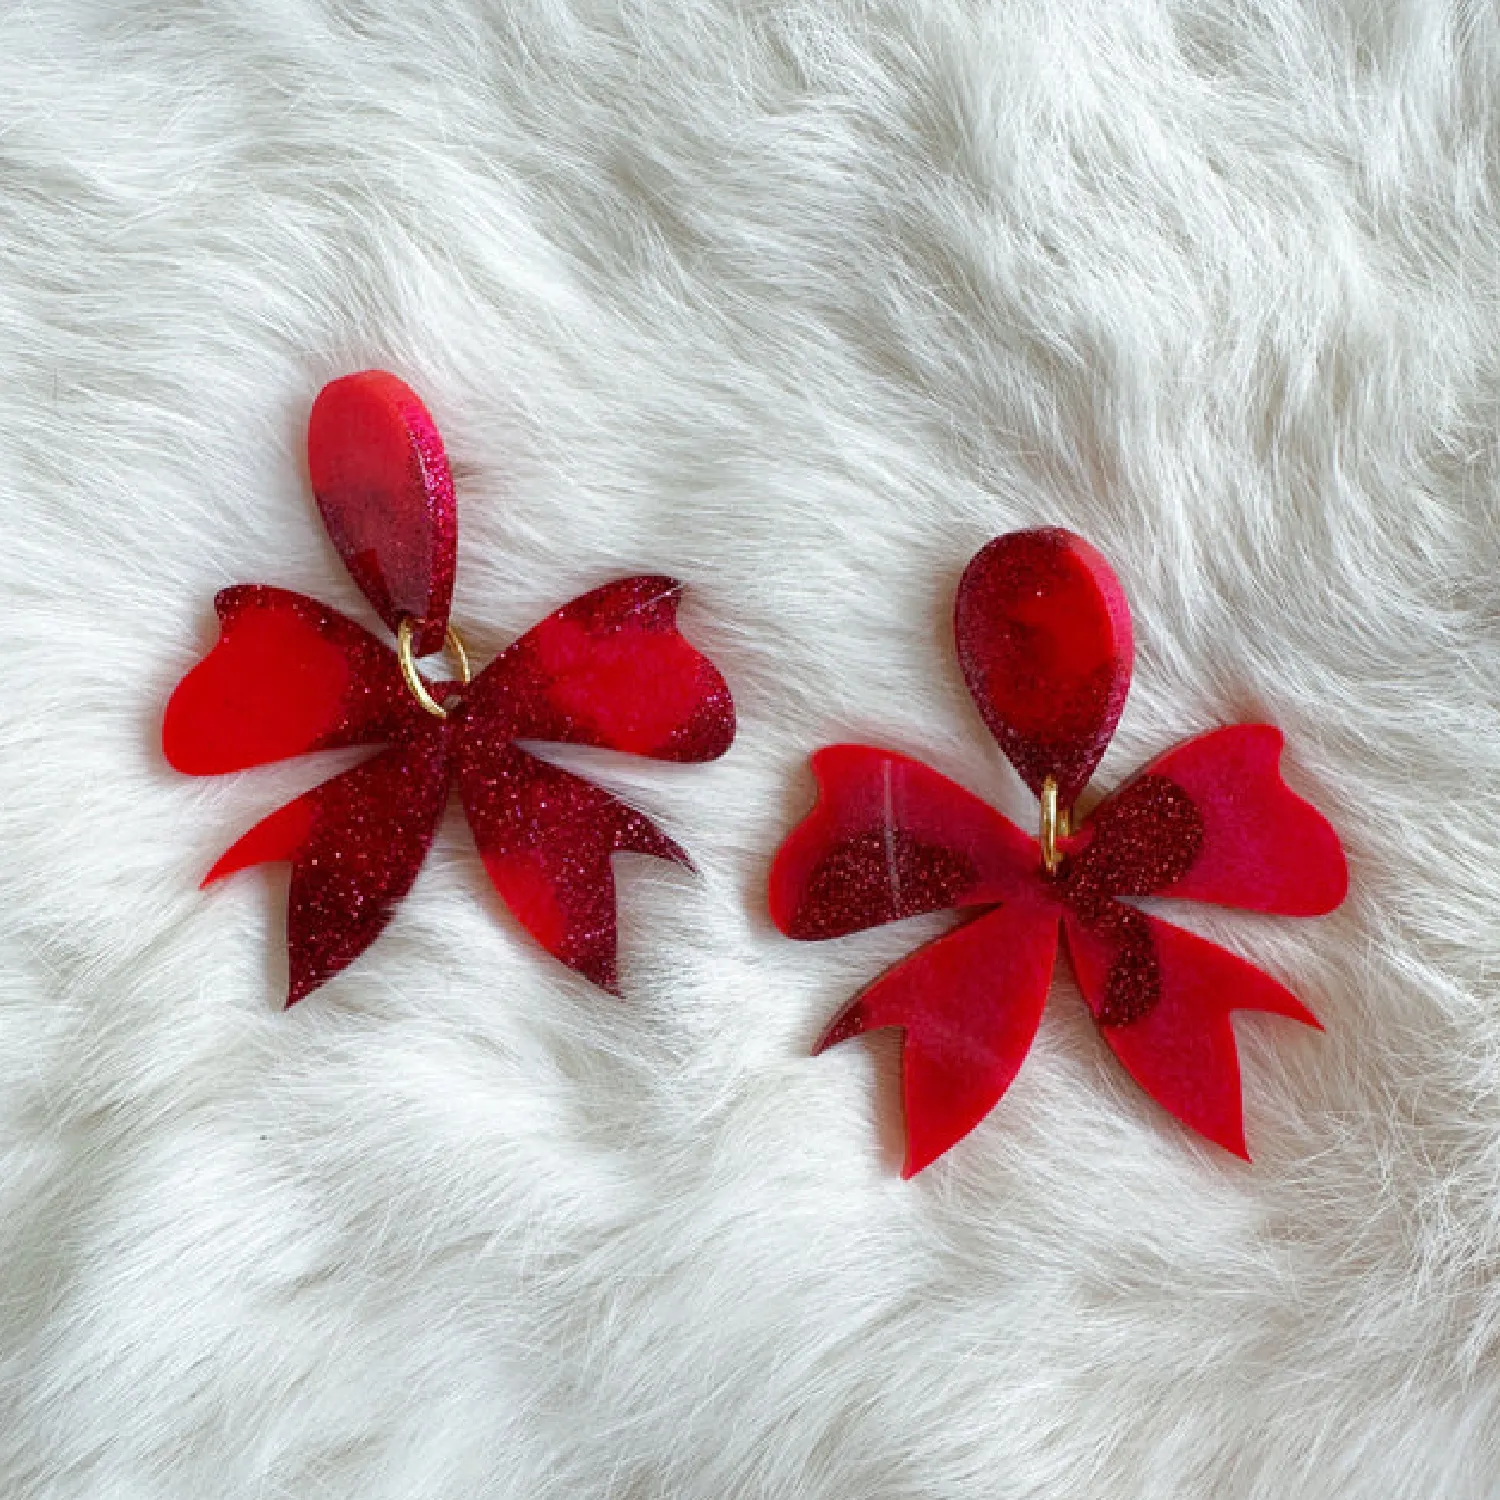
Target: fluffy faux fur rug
[{"x": 800, "y": 302}]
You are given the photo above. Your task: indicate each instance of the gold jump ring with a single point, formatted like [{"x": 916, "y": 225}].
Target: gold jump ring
[
  {"x": 1056, "y": 824},
  {"x": 413, "y": 678}
]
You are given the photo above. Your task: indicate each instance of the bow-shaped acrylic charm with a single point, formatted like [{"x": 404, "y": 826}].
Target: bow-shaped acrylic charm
[
  {"x": 1044, "y": 641},
  {"x": 289, "y": 676}
]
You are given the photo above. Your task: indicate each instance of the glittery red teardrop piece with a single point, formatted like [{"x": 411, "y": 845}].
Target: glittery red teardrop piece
[
  {"x": 382, "y": 484},
  {"x": 1044, "y": 640}
]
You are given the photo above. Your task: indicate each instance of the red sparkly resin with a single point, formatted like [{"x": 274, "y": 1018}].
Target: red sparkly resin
[
  {"x": 1043, "y": 633},
  {"x": 289, "y": 676},
  {"x": 1210, "y": 821},
  {"x": 382, "y": 484}
]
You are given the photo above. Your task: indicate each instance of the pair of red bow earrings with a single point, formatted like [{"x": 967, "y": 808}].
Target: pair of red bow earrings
[{"x": 1045, "y": 644}]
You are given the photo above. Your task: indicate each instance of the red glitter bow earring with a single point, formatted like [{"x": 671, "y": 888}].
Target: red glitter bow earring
[
  {"x": 1045, "y": 644},
  {"x": 290, "y": 675}
]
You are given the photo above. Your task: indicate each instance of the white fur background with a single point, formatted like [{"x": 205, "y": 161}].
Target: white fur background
[{"x": 802, "y": 301}]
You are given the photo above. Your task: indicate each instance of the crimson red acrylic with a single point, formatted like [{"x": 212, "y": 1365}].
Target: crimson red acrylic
[
  {"x": 289, "y": 676},
  {"x": 1044, "y": 640}
]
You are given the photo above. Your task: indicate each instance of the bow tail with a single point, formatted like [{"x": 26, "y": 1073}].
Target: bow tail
[
  {"x": 547, "y": 838},
  {"x": 355, "y": 845},
  {"x": 969, "y": 1005},
  {"x": 1162, "y": 999}
]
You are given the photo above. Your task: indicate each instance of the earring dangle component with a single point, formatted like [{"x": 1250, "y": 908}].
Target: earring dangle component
[
  {"x": 290, "y": 676},
  {"x": 1044, "y": 641}
]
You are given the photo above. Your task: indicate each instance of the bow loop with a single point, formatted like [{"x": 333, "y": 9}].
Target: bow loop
[
  {"x": 890, "y": 838},
  {"x": 287, "y": 676}
]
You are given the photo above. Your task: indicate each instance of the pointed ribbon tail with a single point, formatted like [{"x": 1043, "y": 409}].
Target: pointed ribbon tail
[
  {"x": 1162, "y": 998},
  {"x": 1256, "y": 844},
  {"x": 547, "y": 839},
  {"x": 610, "y": 669},
  {"x": 969, "y": 1005},
  {"x": 891, "y": 838},
  {"x": 288, "y": 675},
  {"x": 355, "y": 844}
]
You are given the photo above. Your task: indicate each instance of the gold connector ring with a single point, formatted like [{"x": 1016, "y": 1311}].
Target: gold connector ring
[
  {"x": 413, "y": 678},
  {"x": 1056, "y": 824}
]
